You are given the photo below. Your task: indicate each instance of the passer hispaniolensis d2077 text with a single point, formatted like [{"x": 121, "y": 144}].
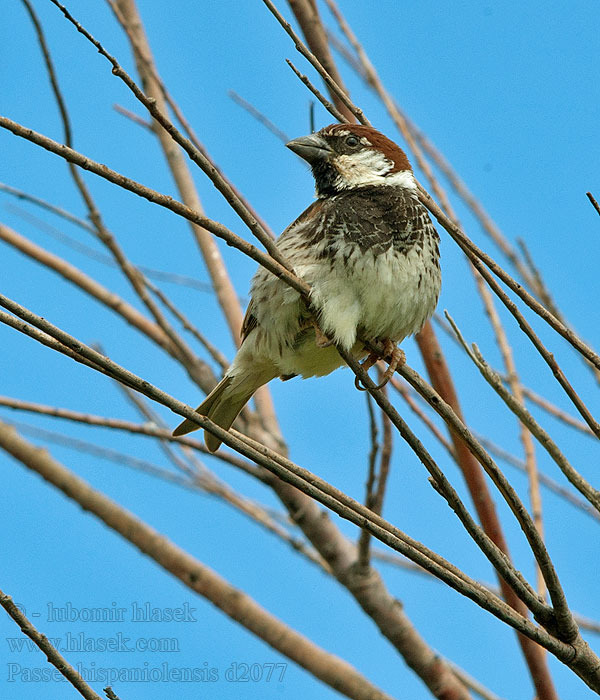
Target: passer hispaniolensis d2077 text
[{"x": 369, "y": 252}]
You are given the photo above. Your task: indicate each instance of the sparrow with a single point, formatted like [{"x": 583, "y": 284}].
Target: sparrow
[{"x": 368, "y": 250}]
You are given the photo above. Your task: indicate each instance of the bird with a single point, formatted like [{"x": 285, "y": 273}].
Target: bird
[{"x": 369, "y": 252}]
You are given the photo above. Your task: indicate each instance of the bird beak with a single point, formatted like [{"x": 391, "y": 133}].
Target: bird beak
[{"x": 312, "y": 148}]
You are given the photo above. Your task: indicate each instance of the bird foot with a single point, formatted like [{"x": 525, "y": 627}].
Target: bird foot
[
  {"x": 321, "y": 339},
  {"x": 397, "y": 359}
]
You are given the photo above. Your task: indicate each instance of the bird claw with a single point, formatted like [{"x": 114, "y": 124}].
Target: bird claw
[
  {"x": 321, "y": 340},
  {"x": 397, "y": 359},
  {"x": 366, "y": 365}
]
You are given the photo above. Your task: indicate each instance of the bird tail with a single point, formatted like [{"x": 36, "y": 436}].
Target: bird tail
[{"x": 225, "y": 402}]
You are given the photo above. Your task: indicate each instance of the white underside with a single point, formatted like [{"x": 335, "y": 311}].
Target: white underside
[{"x": 386, "y": 296}]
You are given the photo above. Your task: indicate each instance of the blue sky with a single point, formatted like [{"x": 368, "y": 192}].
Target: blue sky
[{"x": 509, "y": 93}]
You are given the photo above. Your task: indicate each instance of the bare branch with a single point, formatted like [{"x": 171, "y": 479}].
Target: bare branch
[
  {"x": 329, "y": 106},
  {"x": 101, "y": 231},
  {"x": 364, "y": 537},
  {"x": 545, "y": 481},
  {"x": 496, "y": 556},
  {"x": 404, "y": 391},
  {"x": 88, "y": 285},
  {"x": 529, "y": 393},
  {"x": 525, "y": 436},
  {"x": 594, "y": 203},
  {"x": 397, "y": 117},
  {"x": 195, "y": 155},
  {"x": 259, "y": 116},
  {"x": 52, "y": 654},
  {"x": 212, "y": 350},
  {"x": 134, "y": 117},
  {"x": 333, "y": 86},
  {"x": 307, "y": 14},
  {"x": 195, "y": 575},
  {"x": 147, "y": 430},
  {"x": 566, "y": 624},
  {"x": 93, "y": 254},
  {"x": 581, "y": 484},
  {"x": 151, "y": 195},
  {"x": 477, "y": 257},
  {"x": 484, "y": 504}
]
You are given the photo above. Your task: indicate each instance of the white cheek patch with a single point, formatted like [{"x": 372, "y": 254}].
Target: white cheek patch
[{"x": 369, "y": 167}]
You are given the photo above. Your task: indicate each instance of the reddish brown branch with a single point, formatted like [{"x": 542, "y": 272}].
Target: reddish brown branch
[
  {"x": 441, "y": 380},
  {"x": 433, "y": 358}
]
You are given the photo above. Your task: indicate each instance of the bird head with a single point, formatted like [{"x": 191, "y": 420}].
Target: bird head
[{"x": 348, "y": 156}]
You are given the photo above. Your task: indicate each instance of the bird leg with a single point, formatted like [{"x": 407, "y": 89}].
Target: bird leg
[
  {"x": 397, "y": 359},
  {"x": 321, "y": 340}
]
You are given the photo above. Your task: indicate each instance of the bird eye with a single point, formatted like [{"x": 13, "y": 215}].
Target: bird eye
[{"x": 352, "y": 141}]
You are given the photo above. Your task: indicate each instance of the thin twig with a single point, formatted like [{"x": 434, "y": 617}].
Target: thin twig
[
  {"x": 594, "y": 203},
  {"x": 317, "y": 65},
  {"x": 483, "y": 501},
  {"x": 404, "y": 391},
  {"x": 441, "y": 484},
  {"x": 125, "y": 11},
  {"x": 87, "y": 284},
  {"x": 329, "y": 106},
  {"x": 397, "y": 117},
  {"x": 556, "y": 412},
  {"x": 52, "y": 654},
  {"x": 155, "y": 197},
  {"x": 195, "y": 575},
  {"x": 136, "y": 119},
  {"x": 195, "y": 155},
  {"x": 132, "y": 274},
  {"x": 307, "y": 14},
  {"x": 481, "y": 259},
  {"x": 93, "y": 254},
  {"x": 212, "y": 350},
  {"x": 259, "y": 116},
  {"x": 473, "y": 684},
  {"x": 581, "y": 484},
  {"x": 148, "y": 430},
  {"x": 545, "y": 481},
  {"x": 529, "y": 393},
  {"x": 58, "y": 211},
  {"x": 364, "y": 537},
  {"x": 524, "y": 434},
  {"x": 547, "y": 299},
  {"x": 361, "y": 64},
  {"x": 561, "y": 610}
]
